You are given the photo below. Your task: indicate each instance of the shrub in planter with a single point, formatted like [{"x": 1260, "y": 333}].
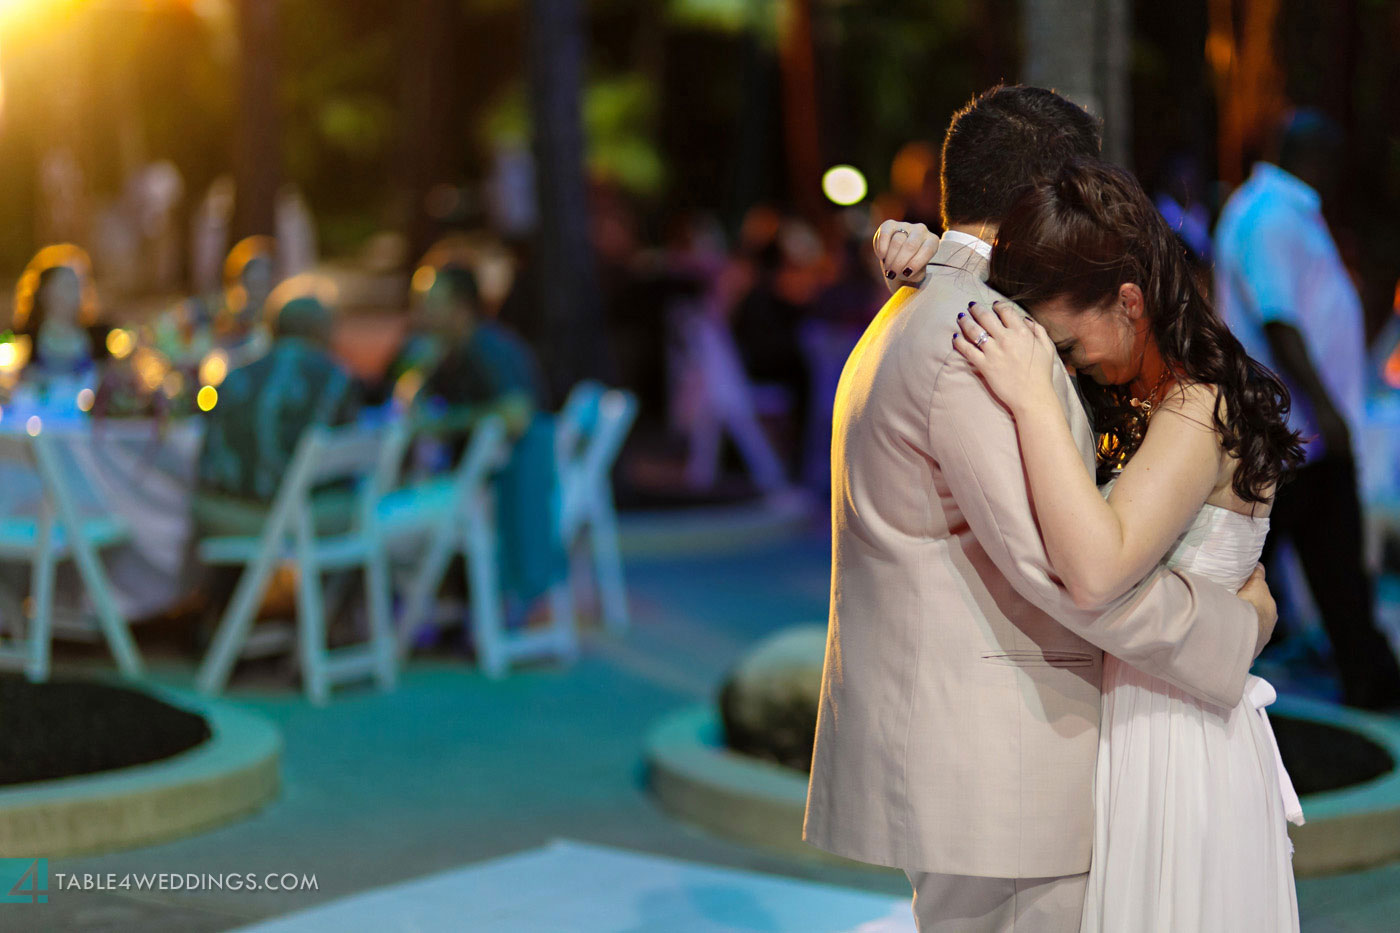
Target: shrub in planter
[{"x": 768, "y": 704}]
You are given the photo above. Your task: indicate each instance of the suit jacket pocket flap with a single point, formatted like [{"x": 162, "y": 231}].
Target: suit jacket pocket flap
[{"x": 1032, "y": 658}]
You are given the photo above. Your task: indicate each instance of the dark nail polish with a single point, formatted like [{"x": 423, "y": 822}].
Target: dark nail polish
[
  {"x": 961, "y": 315},
  {"x": 955, "y": 338},
  {"x": 971, "y": 303},
  {"x": 890, "y": 274},
  {"x": 908, "y": 272}
]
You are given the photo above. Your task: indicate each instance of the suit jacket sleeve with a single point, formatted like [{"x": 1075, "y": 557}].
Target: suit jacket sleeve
[{"x": 1174, "y": 625}]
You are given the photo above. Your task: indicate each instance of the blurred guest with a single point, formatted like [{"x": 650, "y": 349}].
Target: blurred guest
[
  {"x": 209, "y": 234},
  {"x": 297, "y": 247},
  {"x": 263, "y": 409},
  {"x": 56, "y": 309},
  {"x": 480, "y": 366},
  {"x": 916, "y": 181},
  {"x": 787, "y": 275},
  {"x": 1180, "y": 202},
  {"x": 184, "y": 335},
  {"x": 1284, "y": 291},
  {"x": 249, "y": 276}
]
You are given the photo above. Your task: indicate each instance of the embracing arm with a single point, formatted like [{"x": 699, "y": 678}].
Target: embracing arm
[
  {"x": 1099, "y": 547},
  {"x": 1173, "y": 625}
]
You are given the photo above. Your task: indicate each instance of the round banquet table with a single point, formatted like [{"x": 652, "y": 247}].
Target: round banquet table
[{"x": 139, "y": 471}]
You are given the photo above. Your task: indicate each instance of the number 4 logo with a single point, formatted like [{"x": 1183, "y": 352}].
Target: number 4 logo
[{"x": 24, "y": 881}]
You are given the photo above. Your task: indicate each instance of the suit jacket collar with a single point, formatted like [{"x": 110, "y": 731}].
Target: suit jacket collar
[{"x": 961, "y": 256}]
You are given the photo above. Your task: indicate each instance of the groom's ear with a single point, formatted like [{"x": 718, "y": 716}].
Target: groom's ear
[{"x": 1130, "y": 301}]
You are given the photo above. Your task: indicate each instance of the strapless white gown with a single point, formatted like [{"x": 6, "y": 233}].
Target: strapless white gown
[{"x": 1191, "y": 799}]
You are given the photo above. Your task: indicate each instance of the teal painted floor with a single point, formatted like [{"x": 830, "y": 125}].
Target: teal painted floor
[{"x": 452, "y": 769}]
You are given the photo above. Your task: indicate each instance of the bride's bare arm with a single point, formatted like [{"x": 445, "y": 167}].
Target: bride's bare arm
[{"x": 1100, "y": 548}]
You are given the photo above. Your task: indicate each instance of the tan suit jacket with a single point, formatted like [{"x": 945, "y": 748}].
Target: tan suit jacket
[{"x": 959, "y": 714}]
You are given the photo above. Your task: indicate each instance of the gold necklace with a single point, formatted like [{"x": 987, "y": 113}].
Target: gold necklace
[
  {"x": 1114, "y": 448},
  {"x": 1145, "y": 407}
]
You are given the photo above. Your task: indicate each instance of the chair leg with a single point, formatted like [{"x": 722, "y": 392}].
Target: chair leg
[
  {"x": 426, "y": 581},
  {"x": 40, "y": 626},
  {"x": 561, "y": 612},
  {"x": 119, "y": 639},
  {"x": 702, "y": 466},
  {"x": 311, "y": 633},
  {"x": 379, "y": 608},
  {"x": 607, "y": 563},
  {"x": 233, "y": 628},
  {"x": 480, "y": 548}
]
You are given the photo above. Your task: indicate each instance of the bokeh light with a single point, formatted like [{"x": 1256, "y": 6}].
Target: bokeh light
[
  {"x": 214, "y": 368},
  {"x": 86, "y": 399},
  {"x": 34, "y": 425},
  {"x": 207, "y": 398},
  {"x": 844, "y": 185},
  {"x": 120, "y": 343}
]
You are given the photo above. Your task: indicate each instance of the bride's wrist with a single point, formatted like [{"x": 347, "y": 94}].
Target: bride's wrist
[{"x": 1034, "y": 405}]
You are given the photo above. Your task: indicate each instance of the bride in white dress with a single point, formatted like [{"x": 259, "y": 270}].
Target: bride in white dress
[{"x": 1191, "y": 800}]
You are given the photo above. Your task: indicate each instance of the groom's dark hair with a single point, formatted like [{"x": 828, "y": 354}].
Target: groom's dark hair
[{"x": 1005, "y": 139}]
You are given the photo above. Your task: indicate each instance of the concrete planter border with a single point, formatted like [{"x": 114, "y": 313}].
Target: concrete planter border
[
  {"x": 698, "y": 780},
  {"x": 233, "y": 773}
]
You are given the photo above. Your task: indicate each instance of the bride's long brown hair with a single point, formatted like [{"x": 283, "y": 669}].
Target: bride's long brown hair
[{"x": 1081, "y": 236}]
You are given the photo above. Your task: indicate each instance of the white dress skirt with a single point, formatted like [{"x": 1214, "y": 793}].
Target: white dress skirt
[{"x": 1191, "y": 800}]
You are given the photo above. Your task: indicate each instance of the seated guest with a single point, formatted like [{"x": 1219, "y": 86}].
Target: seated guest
[
  {"x": 263, "y": 409},
  {"x": 56, "y": 309},
  {"x": 483, "y": 367},
  {"x": 185, "y": 334},
  {"x": 249, "y": 277}
]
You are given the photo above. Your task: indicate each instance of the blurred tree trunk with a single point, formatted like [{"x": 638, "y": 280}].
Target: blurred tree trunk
[
  {"x": 428, "y": 105},
  {"x": 1115, "y": 78},
  {"x": 798, "y": 56},
  {"x": 569, "y": 298},
  {"x": 1084, "y": 51},
  {"x": 1248, "y": 82},
  {"x": 258, "y": 153}
]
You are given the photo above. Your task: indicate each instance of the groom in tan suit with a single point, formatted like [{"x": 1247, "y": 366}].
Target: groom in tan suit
[{"x": 959, "y": 714}]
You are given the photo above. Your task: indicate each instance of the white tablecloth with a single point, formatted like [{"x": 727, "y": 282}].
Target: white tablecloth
[{"x": 140, "y": 472}]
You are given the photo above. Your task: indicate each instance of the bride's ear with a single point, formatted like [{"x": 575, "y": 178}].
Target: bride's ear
[{"x": 1130, "y": 301}]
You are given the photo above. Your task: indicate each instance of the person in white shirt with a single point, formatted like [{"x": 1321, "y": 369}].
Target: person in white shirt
[{"x": 1282, "y": 288}]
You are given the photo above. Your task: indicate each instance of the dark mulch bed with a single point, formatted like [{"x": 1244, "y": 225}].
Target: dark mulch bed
[
  {"x": 65, "y": 728},
  {"x": 1318, "y": 757},
  {"x": 1321, "y": 757}
]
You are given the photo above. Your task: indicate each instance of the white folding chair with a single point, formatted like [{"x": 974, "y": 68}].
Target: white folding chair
[
  {"x": 289, "y": 535},
  {"x": 454, "y": 514},
  {"x": 58, "y": 533},
  {"x": 591, "y": 429}
]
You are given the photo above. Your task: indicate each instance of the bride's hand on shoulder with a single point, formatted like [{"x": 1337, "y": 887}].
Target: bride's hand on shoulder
[
  {"x": 904, "y": 251},
  {"x": 1010, "y": 351}
]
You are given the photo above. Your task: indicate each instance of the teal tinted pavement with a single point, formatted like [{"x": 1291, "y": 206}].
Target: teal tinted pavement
[{"x": 453, "y": 769}]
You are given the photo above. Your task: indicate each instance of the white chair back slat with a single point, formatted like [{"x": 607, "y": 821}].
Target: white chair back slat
[
  {"x": 60, "y": 534},
  {"x": 345, "y": 453},
  {"x": 323, "y": 455},
  {"x": 594, "y": 424}
]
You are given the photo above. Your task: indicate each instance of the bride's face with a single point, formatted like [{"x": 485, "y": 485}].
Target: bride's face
[{"x": 1105, "y": 342}]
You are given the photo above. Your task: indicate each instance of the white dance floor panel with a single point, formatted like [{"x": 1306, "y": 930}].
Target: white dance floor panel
[{"x": 569, "y": 887}]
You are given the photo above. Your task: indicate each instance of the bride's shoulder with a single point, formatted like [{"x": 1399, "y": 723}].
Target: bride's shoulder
[{"x": 1197, "y": 401}]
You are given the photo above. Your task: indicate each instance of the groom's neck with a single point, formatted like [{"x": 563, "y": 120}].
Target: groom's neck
[{"x": 986, "y": 232}]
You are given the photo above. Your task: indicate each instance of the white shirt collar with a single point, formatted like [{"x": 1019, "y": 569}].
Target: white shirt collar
[
  {"x": 1287, "y": 184},
  {"x": 957, "y": 237}
]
